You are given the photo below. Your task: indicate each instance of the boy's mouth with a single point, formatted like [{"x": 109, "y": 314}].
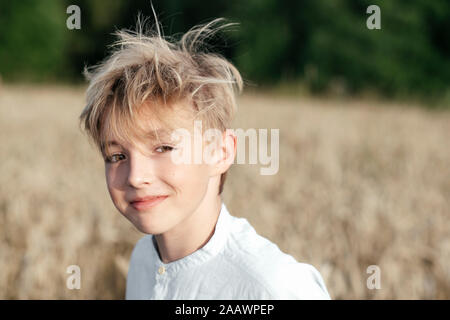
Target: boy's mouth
[{"x": 145, "y": 203}]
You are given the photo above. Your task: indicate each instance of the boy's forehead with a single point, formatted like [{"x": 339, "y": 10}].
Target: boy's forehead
[{"x": 148, "y": 125}]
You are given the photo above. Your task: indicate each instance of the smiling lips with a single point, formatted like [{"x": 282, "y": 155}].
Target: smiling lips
[{"x": 141, "y": 204}]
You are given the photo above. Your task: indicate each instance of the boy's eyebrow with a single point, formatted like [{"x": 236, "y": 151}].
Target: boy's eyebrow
[{"x": 152, "y": 134}]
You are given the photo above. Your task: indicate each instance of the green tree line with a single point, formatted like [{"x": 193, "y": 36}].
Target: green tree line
[{"x": 318, "y": 43}]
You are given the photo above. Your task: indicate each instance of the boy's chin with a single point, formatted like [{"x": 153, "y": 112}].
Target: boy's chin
[
  {"x": 143, "y": 224},
  {"x": 148, "y": 228}
]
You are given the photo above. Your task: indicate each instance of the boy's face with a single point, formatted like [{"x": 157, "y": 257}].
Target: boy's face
[{"x": 148, "y": 171}]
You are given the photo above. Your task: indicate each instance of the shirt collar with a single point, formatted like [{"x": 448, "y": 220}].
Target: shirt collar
[{"x": 209, "y": 250}]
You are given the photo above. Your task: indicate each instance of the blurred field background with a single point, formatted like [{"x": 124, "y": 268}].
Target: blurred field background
[{"x": 364, "y": 119}]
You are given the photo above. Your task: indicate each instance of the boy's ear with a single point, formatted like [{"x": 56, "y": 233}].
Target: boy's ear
[{"x": 226, "y": 152}]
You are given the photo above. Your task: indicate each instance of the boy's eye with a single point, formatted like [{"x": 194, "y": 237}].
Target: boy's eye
[
  {"x": 163, "y": 149},
  {"x": 115, "y": 158}
]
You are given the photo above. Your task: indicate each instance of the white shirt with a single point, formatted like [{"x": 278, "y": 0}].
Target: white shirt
[{"x": 235, "y": 264}]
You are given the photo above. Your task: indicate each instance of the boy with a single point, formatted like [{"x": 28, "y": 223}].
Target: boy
[{"x": 148, "y": 89}]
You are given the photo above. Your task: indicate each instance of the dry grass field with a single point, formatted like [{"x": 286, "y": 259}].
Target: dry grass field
[{"x": 359, "y": 183}]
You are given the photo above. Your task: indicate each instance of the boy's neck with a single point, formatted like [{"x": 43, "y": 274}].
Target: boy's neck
[{"x": 195, "y": 232}]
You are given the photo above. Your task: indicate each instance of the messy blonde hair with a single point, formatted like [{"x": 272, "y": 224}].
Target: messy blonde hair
[{"x": 149, "y": 72}]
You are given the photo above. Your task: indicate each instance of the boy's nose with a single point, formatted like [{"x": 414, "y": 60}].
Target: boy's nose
[{"x": 140, "y": 171}]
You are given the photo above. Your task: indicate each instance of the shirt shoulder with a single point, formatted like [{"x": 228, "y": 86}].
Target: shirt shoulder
[
  {"x": 141, "y": 250},
  {"x": 278, "y": 274},
  {"x": 139, "y": 270}
]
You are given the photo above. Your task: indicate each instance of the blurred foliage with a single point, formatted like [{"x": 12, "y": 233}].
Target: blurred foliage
[
  {"x": 31, "y": 39},
  {"x": 323, "y": 44}
]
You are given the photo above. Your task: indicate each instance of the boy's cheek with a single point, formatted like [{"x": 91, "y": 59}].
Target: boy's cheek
[
  {"x": 117, "y": 196},
  {"x": 112, "y": 177},
  {"x": 119, "y": 202},
  {"x": 185, "y": 174}
]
